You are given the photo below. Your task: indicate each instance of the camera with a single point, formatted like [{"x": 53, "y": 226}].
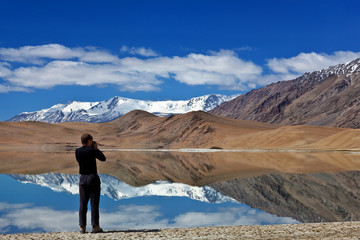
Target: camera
[{"x": 94, "y": 144}]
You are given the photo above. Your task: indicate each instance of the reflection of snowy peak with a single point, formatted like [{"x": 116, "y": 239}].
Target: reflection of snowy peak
[
  {"x": 115, "y": 107},
  {"x": 55, "y": 181},
  {"x": 116, "y": 189}
]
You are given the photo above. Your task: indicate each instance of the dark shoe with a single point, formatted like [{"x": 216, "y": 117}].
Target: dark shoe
[
  {"x": 97, "y": 229},
  {"x": 82, "y": 229}
]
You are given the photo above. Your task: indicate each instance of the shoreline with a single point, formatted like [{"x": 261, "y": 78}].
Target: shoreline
[
  {"x": 259, "y": 150},
  {"x": 331, "y": 230}
]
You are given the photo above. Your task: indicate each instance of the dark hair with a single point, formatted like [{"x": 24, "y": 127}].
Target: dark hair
[{"x": 85, "y": 138}]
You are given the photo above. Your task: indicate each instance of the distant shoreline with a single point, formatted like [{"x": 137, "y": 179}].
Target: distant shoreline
[
  {"x": 335, "y": 230},
  {"x": 205, "y": 150}
]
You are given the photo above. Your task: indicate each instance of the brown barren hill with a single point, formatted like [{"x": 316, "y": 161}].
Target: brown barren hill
[
  {"x": 190, "y": 130},
  {"x": 139, "y": 129}
]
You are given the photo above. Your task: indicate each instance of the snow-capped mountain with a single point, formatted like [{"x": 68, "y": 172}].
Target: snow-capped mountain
[
  {"x": 348, "y": 70},
  {"x": 115, "y": 107},
  {"x": 116, "y": 189}
]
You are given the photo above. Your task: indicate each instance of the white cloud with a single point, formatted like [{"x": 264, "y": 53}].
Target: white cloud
[
  {"x": 40, "y": 67},
  {"x": 4, "y": 69},
  {"x": 52, "y": 65},
  {"x": 308, "y": 62},
  {"x": 80, "y": 73},
  {"x": 146, "y": 52},
  {"x": 221, "y": 68},
  {"x": 245, "y": 48},
  {"x": 41, "y": 54},
  {"x": 8, "y": 88}
]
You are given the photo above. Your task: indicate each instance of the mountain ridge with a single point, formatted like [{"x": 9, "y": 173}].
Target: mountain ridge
[
  {"x": 330, "y": 97},
  {"x": 108, "y": 110}
]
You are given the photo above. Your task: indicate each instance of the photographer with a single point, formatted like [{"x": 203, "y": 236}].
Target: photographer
[{"x": 89, "y": 185}]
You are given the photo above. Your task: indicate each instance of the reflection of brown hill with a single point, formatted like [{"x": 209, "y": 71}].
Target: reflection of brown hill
[
  {"x": 204, "y": 168},
  {"x": 139, "y": 129},
  {"x": 307, "y": 198},
  {"x": 140, "y": 168}
]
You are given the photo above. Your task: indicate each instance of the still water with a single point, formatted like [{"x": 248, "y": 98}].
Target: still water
[
  {"x": 152, "y": 190},
  {"x": 49, "y": 202}
]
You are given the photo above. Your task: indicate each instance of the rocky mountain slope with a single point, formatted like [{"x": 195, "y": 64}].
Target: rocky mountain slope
[
  {"x": 115, "y": 107},
  {"x": 330, "y": 97}
]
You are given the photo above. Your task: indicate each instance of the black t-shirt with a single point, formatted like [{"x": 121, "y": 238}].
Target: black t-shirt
[{"x": 86, "y": 157}]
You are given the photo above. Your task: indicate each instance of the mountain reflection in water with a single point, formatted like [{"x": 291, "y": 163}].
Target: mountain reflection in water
[
  {"x": 116, "y": 189},
  {"x": 192, "y": 168},
  {"x": 305, "y": 186},
  {"x": 317, "y": 197},
  {"x": 50, "y": 203}
]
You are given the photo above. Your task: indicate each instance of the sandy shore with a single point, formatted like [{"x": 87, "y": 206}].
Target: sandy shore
[{"x": 338, "y": 230}]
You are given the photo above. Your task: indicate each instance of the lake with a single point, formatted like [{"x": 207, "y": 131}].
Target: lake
[{"x": 167, "y": 189}]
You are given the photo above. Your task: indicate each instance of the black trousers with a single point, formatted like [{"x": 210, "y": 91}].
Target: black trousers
[{"x": 89, "y": 188}]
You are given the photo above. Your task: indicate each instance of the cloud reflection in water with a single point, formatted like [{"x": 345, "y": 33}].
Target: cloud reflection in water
[
  {"x": 28, "y": 218},
  {"x": 32, "y": 208}
]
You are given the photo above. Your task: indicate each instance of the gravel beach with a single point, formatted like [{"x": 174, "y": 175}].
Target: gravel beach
[{"x": 337, "y": 230}]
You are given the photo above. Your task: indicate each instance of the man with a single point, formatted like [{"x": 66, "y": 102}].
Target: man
[{"x": 89, "y": 185}]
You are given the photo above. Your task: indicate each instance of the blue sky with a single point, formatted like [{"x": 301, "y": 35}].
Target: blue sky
[{"x": 61, "y": 51}]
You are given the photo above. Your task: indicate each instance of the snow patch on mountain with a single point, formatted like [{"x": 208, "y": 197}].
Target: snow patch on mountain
[
  {"x": 115, "y": 107},
  {"x": 116, "y": 189},
  {"x": 349, "y": 69}
]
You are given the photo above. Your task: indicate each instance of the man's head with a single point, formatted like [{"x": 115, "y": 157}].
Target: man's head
[{"x": 85, "y": 138}]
